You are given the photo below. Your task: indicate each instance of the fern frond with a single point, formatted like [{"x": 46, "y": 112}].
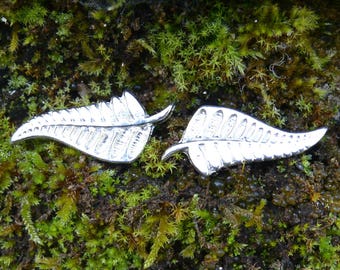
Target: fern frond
[
  {"x": 87, "y": 50},
  {"x": 67, "y": 207},
  {"x": 303, "y": 19},
  {"x": 5, "y": 180},
  {"x": 26, "y": 215},
  {"x": 92, "y": 67},
  {"x": 165, "y": 230},
  {"x": 14, "y": 44},
  {"x": 47, "y": 263},
  {"x": 31, "y": 15}
]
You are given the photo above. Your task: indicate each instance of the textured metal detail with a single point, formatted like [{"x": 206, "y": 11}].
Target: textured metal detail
[
  {"x": 217, "y": 137},
  {"x": 114, "y": 131}
]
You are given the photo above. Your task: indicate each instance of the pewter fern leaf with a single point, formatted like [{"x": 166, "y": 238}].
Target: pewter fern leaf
[
  {"x": 217, "y": 137},
  {"x": 114, "y": 131}
]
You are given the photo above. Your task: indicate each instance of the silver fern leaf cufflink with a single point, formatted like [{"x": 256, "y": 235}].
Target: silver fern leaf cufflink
[
  {"x": 217, "y": 137},
  {"x": 114, "y": 131}
]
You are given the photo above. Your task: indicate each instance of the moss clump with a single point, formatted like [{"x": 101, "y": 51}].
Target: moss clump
[{"x": 60, "y": 209}]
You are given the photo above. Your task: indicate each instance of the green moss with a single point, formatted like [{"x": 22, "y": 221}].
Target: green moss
[
  {"x": 61, "y": 209},
  {"x": 202, "y": 55},
  {"x": 154, "y": 166}
]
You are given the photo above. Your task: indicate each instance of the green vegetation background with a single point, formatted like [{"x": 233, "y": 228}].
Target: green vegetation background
[{"x": 274, "y": 60}]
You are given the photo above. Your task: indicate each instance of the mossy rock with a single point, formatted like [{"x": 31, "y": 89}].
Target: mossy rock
[{"x": 276, "y": 61}]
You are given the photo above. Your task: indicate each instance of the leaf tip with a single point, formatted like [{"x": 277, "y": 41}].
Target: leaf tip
[
  {"x": 162, "y": 115},
  {"x": 17, "y": 136},
  {"x": 317, "y": 135}
]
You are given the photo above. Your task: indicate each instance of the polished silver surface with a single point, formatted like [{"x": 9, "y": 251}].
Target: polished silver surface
[
  {"x": 114, "y": 131},
  {"x": 217, "y": 137}
]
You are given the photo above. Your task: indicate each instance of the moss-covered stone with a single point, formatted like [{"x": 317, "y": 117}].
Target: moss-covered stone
[{"x": 276, "y": 60}]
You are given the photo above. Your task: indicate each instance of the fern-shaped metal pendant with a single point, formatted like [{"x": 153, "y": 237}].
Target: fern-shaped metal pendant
[
  {"x": 114, "y": 131},
  {"x": 217, "y": 137}
]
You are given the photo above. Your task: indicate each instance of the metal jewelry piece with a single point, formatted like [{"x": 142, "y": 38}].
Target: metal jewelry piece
[
  {"x": 114, "y": 131},
  {"x": 217, "y": 137}
]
